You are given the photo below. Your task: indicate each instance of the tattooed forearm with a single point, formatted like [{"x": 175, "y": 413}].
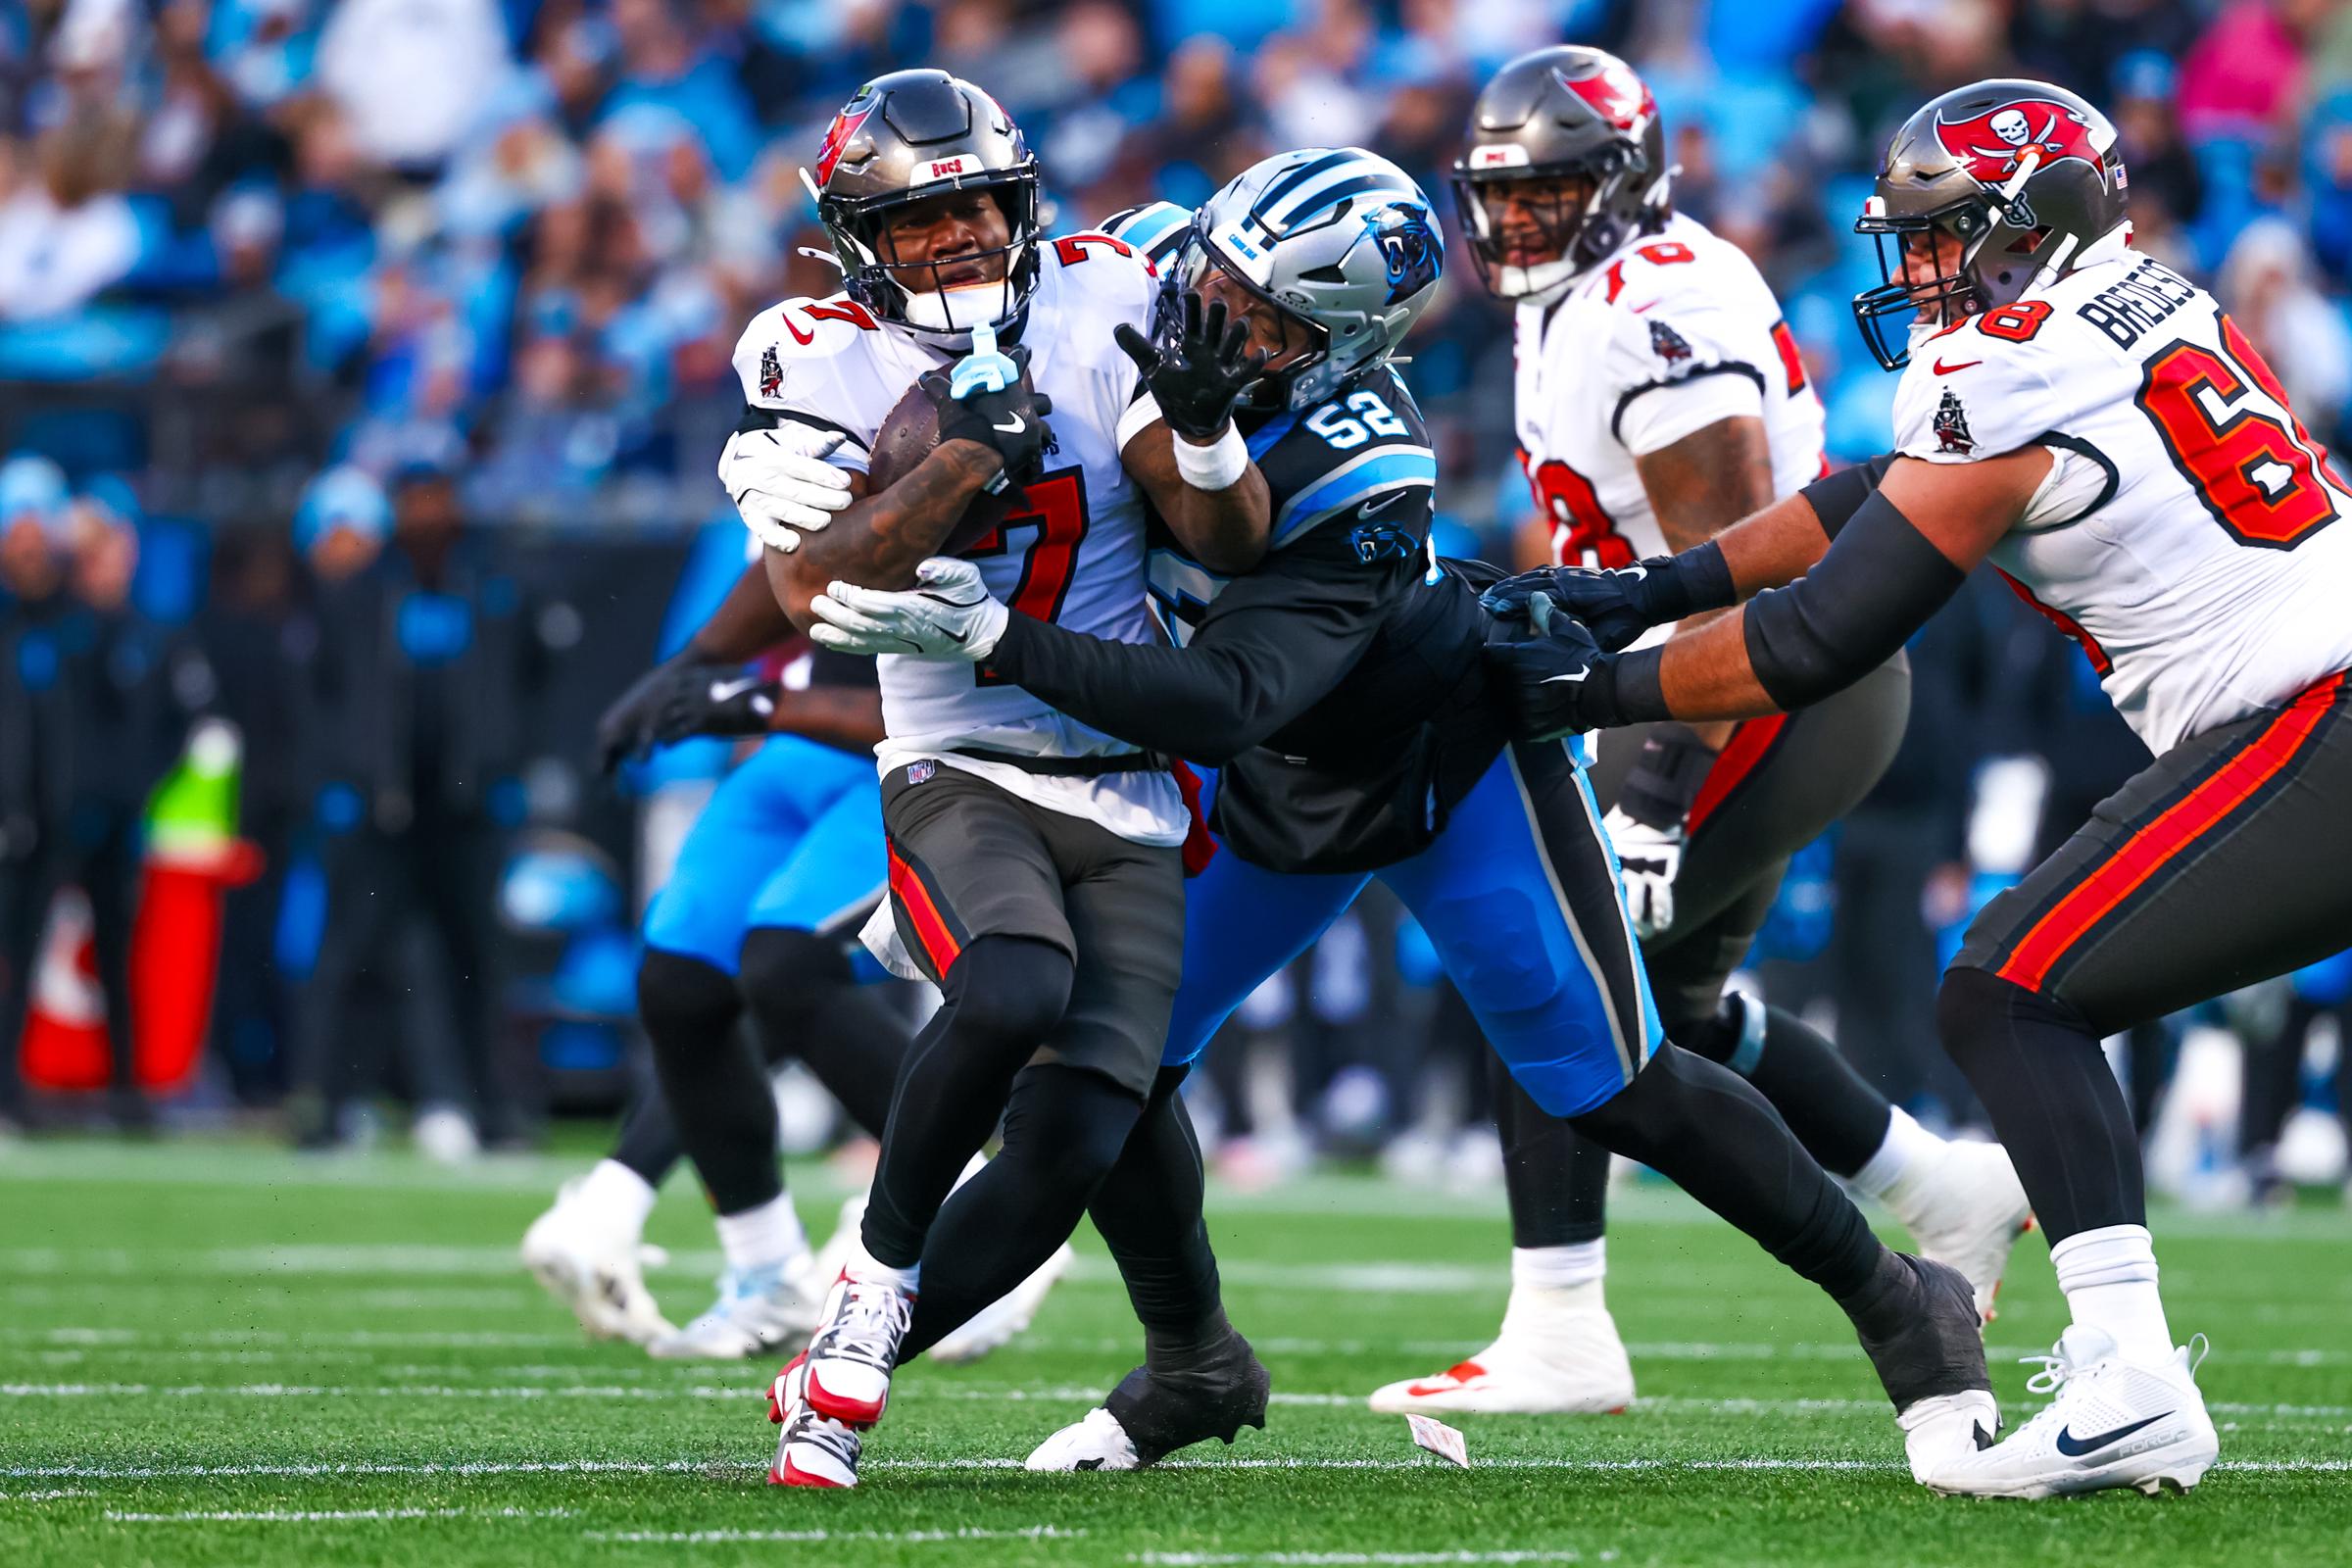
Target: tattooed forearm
[{"x": 878, "y": 540}]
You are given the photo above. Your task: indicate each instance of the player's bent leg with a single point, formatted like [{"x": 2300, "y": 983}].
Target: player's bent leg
[{"x": 807, "y": 1001}]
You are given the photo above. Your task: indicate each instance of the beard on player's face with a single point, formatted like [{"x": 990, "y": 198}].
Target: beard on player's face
[
  {"x": 954, "y": 240},
  {"x": 1930, "y": 258},
  {"x": 1533, "y": 222}
]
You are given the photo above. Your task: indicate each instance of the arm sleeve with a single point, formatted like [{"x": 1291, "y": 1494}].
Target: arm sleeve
[{"x": 1271, "y": 647}]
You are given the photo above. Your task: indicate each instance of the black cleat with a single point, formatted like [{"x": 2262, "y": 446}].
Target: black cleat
[{"x": 1156, "y": 1410}]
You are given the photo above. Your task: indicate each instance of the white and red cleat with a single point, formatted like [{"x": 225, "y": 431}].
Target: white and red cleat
[
  {"x": 812, "y": 1450},
  {"x": 1968, "y": 1210},
  {"x": 856, "y": 1349},
  {"x": 1559, "y": 1354}
]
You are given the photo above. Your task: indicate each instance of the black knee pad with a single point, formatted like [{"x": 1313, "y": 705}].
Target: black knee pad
[
  {"x": 1976, "y": 1005},
  {"x": 1010, "y": 989},
  {"x": 785, "y": 968},
  {"x": 677, "y": 995}
]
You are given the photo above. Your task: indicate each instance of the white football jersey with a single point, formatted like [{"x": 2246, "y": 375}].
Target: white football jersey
[
  {"x": 1673, "y": 333},
  {"x": 1076, "y": 558},
  {"x": 2191, "y": 535}
]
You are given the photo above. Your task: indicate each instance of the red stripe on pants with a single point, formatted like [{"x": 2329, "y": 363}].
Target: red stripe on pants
[
  {"x": 939, "y": 943},
  {"x": 2153, "y": 847},
  {"x": 1740, "y": 755}
]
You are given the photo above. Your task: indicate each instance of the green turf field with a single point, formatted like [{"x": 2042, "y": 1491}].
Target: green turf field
[{"x": 217, "y": 1354}]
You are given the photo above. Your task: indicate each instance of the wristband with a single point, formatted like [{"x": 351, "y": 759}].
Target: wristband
[
  {"x": 1682, "y": 585},
  {"x": 1215, "y": 466}
]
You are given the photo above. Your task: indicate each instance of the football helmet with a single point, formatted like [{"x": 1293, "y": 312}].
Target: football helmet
[
  {"x": 1565, "y": 113},
  {"x": 2024, "y": 176},
  {"x": 903, "y": 138},
  {"x": 1340, "y": 241}
]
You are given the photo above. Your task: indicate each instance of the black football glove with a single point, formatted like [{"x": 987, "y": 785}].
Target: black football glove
[
  {"x": 1011, "y": 423},
  {"x": 1558, "y": 681},
  {"x": 1195, "y": 364},
  {"x": 678, "y": 700},
  {"x": 1619, "y": 604}
]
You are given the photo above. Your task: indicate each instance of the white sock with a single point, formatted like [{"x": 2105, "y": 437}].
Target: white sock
[
  {"x": 1548, "y": 1282},
  {"x": 864, "y": 1266},
  {"x": 2109, "y": 1277},
  {"x": 764, "y": 1237},
  {"x": 1908, "y": 1151},
  {"x": 618, "y": 1194}
]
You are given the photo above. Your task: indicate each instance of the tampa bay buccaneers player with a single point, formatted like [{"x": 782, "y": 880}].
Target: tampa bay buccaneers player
[
  {"x": 1659, "y": 398},
  {"x": 2089, "y": 422}
]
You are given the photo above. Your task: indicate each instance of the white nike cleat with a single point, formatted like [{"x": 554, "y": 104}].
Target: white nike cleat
[
  {"x": 2113, "y": 1424},
  {"x": 756, "y": 1312},
  {"x": 1005, "y": 1318},
  {"x": 595, "y": 1269},
  {"x": 1945, "y": 1428},
  {"x": 1098, "y": 1442},
  {"x": 812, "y": 1450},
  {"x": 856, "y": 1349},
  {"x": 1968, "y": 1210},
  {"x": 1577, "y": 1367}
]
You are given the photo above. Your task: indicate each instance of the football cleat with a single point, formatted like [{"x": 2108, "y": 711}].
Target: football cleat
[
  {"x": 1575, "y": 1365},
  {"x": 757, "y": 1311},
  {"x": 1970, "y": 1211},
  {"x": 1918, "y": 1324},
  {"x": 856, "y": 1349},
  {"x": 2113, "y": 1423},
  {"x": 1098, "y": 1442},
  {"x": 997, "y": 1324},
  {"x": 595, "y": 1270},
  {"x": 812, "y": 1450},
  {"x": 1156, "y": 1410}
]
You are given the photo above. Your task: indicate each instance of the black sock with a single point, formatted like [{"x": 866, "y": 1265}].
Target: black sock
[
  {"x": 1149, "y": 1211},
  {"x": 1558, "y": 1178},
  {"x": 1063, "y": 1129},
  {"x": 716, "y": 1085},
  {"x": 2052, "y": 1098},
  {"x": 1709, "y": 1132},
  {"x": 648, "y": 1140},
  {"x": 1004, "y": 996},
  {"x": 1834, "y": 1111},
  {"x": 805, "y": 1002}
]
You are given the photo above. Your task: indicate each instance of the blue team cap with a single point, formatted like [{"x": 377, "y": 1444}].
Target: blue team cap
[{"x": 343, "y": 497}]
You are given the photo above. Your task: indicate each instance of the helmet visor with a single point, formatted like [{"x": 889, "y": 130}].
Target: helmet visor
[{"x": 1290, "y": 341}]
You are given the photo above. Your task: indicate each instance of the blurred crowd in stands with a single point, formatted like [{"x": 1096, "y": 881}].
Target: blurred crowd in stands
[{"x": 289, "y": 286}]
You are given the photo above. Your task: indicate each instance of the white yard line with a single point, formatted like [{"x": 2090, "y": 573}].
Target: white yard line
[
  {"x": 319, "y": 1516},
  {"x": 1212, "y": 1559},
  {"x": 704, "y": 1538}
]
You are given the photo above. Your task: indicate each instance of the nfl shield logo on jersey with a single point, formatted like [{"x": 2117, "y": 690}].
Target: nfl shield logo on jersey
[
  {"x": 1951, "y": 424},
  {"x": 920, "y": 773}
]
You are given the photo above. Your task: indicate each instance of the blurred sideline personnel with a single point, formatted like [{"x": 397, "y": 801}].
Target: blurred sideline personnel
[
  {"x": 1340, "y": 689},
  {"x": 1660, "y": 399},
  {"x": 758, "y": 915},
  {"x": 89, "y": 720},
  {"x": 1036, "y": 864},
  {"x": 427, "y": 664},
  {"x": 2088, "y": 420}
]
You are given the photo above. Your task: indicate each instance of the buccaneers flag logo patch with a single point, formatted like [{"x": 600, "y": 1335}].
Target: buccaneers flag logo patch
[
  {"x": 837, "y": 136},
  {"x": 1991, "y": 145},
  {"x": 1616, "y": 95},
  {"x": 771, "y": 371},
  {"x": 1667, "y": 344},
  {"x": 1951, "y": 425}
]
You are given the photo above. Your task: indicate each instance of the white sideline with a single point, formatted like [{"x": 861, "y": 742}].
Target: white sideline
[
  {"x": 1208, "y": 1559},
  {"x": 321, "y": 1516},
  {"x": 704, "y": 1538}
]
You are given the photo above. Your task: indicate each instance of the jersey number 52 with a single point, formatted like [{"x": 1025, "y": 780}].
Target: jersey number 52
[{"x": 2228, "y": 428}]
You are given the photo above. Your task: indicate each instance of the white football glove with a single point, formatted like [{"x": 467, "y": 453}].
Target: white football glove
[
  {"x": 947, "y": 614},
  {"x": 1648, "y": 860},
  {"x": 782, "y": 483}
]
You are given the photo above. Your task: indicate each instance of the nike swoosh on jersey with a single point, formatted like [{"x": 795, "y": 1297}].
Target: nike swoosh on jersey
[
  {"x": 1942, "y": 369},
  {"x": 2075, "y": 1447},
  {"x": 1370, "y": 507}
]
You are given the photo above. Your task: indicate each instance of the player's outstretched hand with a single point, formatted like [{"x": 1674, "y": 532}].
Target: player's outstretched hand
[
  {"x": 678, "y": 700},
  {"x": 782, "y": 483},
  {"x": 986, "y": 397},
  {"x": 1195, "y": 363},
  {"x": 949, "y": 614},
  {"x": 1558, "y": 681},
  {"x": 1616, "y": 606}
]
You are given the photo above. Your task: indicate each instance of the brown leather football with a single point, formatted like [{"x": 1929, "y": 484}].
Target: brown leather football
[{"x": 909, "y": 433}]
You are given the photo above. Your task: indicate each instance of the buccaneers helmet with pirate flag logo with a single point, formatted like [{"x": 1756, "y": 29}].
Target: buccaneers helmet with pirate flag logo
[
  {"x": 903, "y": 138},
  {"x": 2026, "y": 176},
  {"x": 1578, "y": 126}
]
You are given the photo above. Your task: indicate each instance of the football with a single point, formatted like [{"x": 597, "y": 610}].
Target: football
[{"x": 907, "y": 435}]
